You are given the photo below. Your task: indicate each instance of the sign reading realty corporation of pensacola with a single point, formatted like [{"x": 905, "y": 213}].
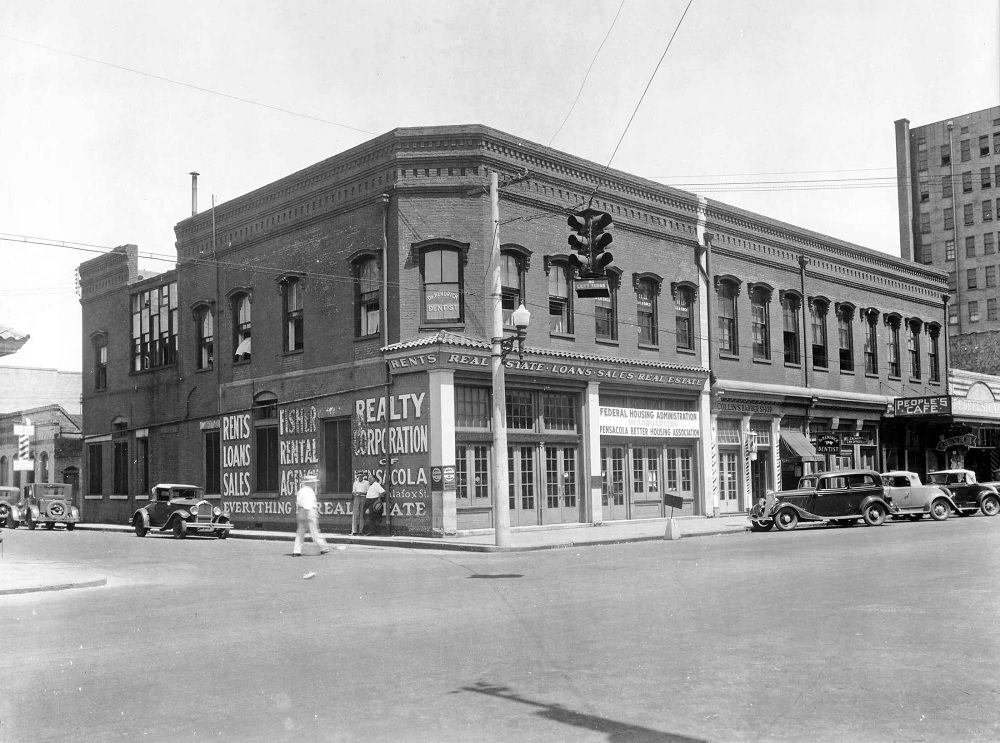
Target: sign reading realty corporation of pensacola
[{"x": 657, "y": 424}]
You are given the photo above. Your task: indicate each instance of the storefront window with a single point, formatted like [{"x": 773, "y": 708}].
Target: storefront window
[
  {"x": 520, "y": 410},
  {"x": 472, "y": 407},
  {"x": 559, "y": 412}
]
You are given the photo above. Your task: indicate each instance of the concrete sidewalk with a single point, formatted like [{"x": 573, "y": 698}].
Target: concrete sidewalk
[{"x": 19, "y": 576}]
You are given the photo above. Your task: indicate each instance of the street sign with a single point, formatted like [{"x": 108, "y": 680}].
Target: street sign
[
  {"x": 24, "y": 465},
  {"x": 592, "y": 288},
  {"x": 673, "y": 501}
]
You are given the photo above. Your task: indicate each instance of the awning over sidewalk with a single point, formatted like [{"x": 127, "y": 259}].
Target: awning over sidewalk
[{"x": 794, "y": 445}]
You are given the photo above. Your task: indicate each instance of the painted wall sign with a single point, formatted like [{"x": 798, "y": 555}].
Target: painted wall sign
[
  {"x": 235, "y": 444},
  {"x": 298, "y": 454},
  {"x": 582, "y": 370},
  {"x": 649, "y": 423},
  {"x": 909, "y": 406},
  {"x": 744, "y": 406},
  {"x": 978, "y": 408}
]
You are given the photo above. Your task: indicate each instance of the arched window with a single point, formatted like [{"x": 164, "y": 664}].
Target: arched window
[
  {"x": 265, "y": 422},
  {"x": 241, "y": 305},
  {"x": 99, "y": 342},
  {"x": 845, "y": 336},
  {"x": 647, "y": 290},
  {"x": 294, "y": 315},
  {"x": 760, "y": 300},
  {"x": 560, "y": 280},
  {"x": 606, "y": 310},
  {"x": 914, "y": 326},
  {"x": 893, "y": 322},
  {"x": 791, "y": 305},
  {"x": 205, "y": 335},
  {"x": 3, "y": 470},
  {"x": 367, "y": 297},
  {"x": 442, "y": 286},
  {"x": 728, "y": 289},
  {"x": 818, "y": 309},
  {"x": 43, "y": 467},
  {"x": 933, "y": 359},
  {"x": 870, "y": 315},
  {"x": 683, "y": 315}
]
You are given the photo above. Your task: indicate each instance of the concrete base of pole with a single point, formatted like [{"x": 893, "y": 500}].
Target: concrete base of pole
[{"x": 673, "y": 530}]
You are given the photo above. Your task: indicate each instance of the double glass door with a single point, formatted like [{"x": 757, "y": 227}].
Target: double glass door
[
  {"x": 634, "y": 480},
  {"x": 543, "y": 484}
]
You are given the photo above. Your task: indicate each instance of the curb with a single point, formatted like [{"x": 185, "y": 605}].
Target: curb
[{"x": 94, "y": 583}]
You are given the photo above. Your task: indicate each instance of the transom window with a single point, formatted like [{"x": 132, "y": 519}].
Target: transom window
[{"x": 472, "y": 407}]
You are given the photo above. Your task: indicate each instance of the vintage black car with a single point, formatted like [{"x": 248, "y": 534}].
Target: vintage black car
[
  {"x": 842, "y": 497},
  {"x": 48, "y": 503},
  {"x": 969, "y": 494},
  {"x": 180, "y": 510}
]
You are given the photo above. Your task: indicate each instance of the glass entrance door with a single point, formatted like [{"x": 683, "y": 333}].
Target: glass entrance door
[
  {"x": 729, "y": 481},
  {"x": 647, "y": 498},
  {"x": 521, "y": 486},
  {"x": 560, "y": 506},
  {"x": 677, "y": 461},
  {"x": 613, "y": 483}
]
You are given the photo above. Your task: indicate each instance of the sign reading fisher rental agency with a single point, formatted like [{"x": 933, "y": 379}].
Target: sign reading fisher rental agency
[{"x": 657, "y": 424}]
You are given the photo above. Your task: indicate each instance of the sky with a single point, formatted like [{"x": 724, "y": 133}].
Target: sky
[{"x": 783, "y": 108}]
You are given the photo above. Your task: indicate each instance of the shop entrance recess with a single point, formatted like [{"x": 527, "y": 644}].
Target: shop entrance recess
[
  {"x": 543, "y": 484},
  {"x": 634, "y": 479}
]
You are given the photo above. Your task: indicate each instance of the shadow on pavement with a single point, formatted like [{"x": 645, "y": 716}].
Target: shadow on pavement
[{"x": 617, "y": 731}]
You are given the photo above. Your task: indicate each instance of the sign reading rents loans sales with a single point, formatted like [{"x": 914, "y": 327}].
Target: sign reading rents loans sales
[{"x": 660, "y": 424}]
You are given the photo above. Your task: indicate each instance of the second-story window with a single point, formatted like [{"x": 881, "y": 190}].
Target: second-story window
[
  {"x": 790, "y": 308},
  {"x": 817, "y": 321},
  {"x": 241, "y": 327},
  {"x": 913, "y": 327},
  {"x": 442, "y": 283},
  {"x": 646, "y": 290},
  {"x": 871, "y": 341},
  {"x": 606, "y": 312},
  {"x": 760, "y": 299},
  {"x": 292, "y": 300},
  {"x": 893, "y": 346},
  {"x": 100, "y": 343},
  {"x": 845, "y": 336},
  {"x": 933, "y": 365},
  {"x": 560, "y": 299},
  {"x": 729, "y": 342},
  {"x": 367, "y": 298},
  {"x": 512, "y": 270},
  {"x": 206, "y": 337},
  {"x": 683, "y": 317},
  {"x": 154, "y": 327}
]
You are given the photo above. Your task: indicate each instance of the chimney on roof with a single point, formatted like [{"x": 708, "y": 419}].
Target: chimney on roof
[{"x": 194, "y": 192}]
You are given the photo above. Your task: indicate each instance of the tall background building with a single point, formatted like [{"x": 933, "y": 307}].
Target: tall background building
[{"x": 949, "y": 199}]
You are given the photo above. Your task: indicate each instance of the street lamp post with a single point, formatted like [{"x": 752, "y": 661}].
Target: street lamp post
[{"x": 499, "y": 348}]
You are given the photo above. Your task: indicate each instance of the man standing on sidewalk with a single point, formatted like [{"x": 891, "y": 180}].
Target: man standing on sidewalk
[
  {"x": 358, "y": 492},
  {"x": 307, "y": 517}
]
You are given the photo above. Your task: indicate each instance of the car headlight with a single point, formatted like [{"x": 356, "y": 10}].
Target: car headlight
[
  {"x": 194, "y": 510},
  {"x": 216, "y": 511}
]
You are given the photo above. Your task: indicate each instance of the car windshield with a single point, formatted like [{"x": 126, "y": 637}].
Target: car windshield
[
  {"x": 191, "y": 493},
  {"x": 946, "y": 478}
]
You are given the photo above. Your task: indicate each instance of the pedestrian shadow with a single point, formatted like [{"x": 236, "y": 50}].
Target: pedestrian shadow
[{"x": 616, "y": 730}]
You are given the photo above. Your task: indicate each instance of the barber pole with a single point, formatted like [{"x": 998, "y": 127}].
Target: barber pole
[{"x": 24, "y": 432}]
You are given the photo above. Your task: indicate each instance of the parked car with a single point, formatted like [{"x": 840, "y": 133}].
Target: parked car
[
  {"x": 48, "y": 503},
  {"x": 181, "y": 510},
  {"x": 913, "y": 499},
  {"x": 968, "y": 494},
  {"x": 840, "y": 497},
  {"x": 9, "y": 495}
]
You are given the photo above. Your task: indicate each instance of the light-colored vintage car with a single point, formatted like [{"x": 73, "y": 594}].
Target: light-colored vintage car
[
  {"x": 9, "y": 496},
  {"x": 180, "y": 510},
  {"x": 48, "y": 503},
  {"x": 967, "y": 492},
  {"x": 913, "y": 499}
]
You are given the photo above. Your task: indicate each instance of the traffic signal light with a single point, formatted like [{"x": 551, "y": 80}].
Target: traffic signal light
[{"x": 589, "y": 238}]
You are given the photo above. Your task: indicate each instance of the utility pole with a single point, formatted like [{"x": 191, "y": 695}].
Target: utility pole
[{"x": 501, "y": 477}]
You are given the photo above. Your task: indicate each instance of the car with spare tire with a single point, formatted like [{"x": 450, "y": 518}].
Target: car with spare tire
[{"x": 47, "y": 503}]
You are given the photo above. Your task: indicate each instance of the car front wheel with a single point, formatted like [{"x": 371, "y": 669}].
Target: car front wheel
[
  {"x": 139, "y": 526},
  {"x": 786, "y": 520},
  {"x": 991, "y": 505},
  {"x": 31, "y": 522},
  {"x": 874, "y": 514},
  {"x": 761, "y": 524},
  {"x": 940, "y": 510},
  {"x": 179, "y": 531},
  {"x": 70, "y": 526}
]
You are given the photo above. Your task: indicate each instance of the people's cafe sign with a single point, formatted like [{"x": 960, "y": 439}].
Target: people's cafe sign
[{"x": 978, "y": 402}]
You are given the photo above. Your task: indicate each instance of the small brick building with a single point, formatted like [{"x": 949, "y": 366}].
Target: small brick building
[{"x": 339, "y": 318}]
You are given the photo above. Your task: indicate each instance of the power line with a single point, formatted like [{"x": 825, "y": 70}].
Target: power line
[
  {"x": 181, "y": 83},
  {"x": 650, "y": 82},
  {"x": 587, "y": 74}
]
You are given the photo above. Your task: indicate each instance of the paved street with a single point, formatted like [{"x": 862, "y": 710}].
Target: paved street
[{"x": 825, "y": 634}]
